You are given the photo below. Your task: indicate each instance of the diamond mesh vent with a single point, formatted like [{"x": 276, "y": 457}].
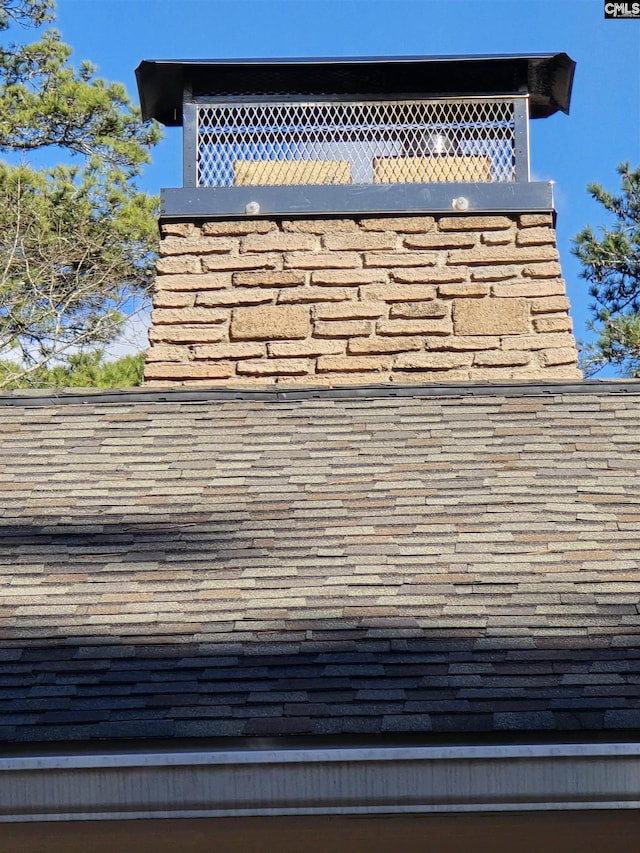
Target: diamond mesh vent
[{"x": 367, "y": 142}]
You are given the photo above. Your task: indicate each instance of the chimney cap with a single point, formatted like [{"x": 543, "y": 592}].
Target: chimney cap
[{"x": 547, "y": 79}]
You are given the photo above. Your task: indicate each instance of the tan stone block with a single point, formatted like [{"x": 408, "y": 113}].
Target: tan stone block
[
  {"x": 502, "y": 255},
  {"x": 414, "y": 327},
  {"x": 239, "y": 228},
  {"x": 170, "y": 299},
  {"x": 348, "y": 379},
  {"x": 441, "y": 240},
  {"x": 201, "y": 333},
  {"x": 198, "y": 281},
  {"x": 214, "y": 314},
  {"x": 400, "y": 259},
  {"x": 275, "y": 367},
  {"x": 197, "y": 245},
  {"x": 179, "y": 229},
  {"x": 429, "y": 275},
  {"x": 257, "y": 382},
  {"x": 528, "y": 220},
  {"x": 562, "y": 355},
  {"x": 526, "y": 287},
  {"x": 505, "y": 374},
  {"x": 348, "y": 276},
  {"x": 543, "y": 270},
  {"x": 471, "y": 289},
  {"x": 401, "y": 224},
  {"x": 360, "y": 241},
  {"x": 540, "y": 340},
  {"x": 466, "y": 222},
  {"x": 464, "y": 343},
  {"x": 269, "y": 278},
  {"x": 524, "y": 374},
  {"x": 319, "y": 226},
  {"x": 179, "y": 264},
  {"x": 340, "y": 363},
  {"x": 432, "y": 360},
  {"x": 318, "y": 260},
  {"x": 178, "y": 316},
  {"x": 229, "y": 351},
  {"x": 536, "y": 237},
  {"x": 278, "y": 241},
  {"x": 185, "y": 371},
  {"x": 431, "y": 377},
  {"x": 210, "y": 383},
  {"x": 315, "y": 294},
  {"x": 164, "y": 352},
  {"x": 270, "y": 322},
  {"x": 258, "y": 261},
  {"x": 490, "y": 316},
  {"x": 549, "y": 304},
  {"x": 418, "y": 310},
  {"x": 350, "y": 310},
  {"x": 562, "y": 372},
  {"x": 497, "y": 273},
  {"x": 398, "y": 293},
  {"x": 289, "y": 172},
  {"x": 342, "y": 328},
  {"x": 497, "y": 358},
  {"x": 560, "y": 323},
  {"x": 497, "y": 238},
  {"x": 306, "y": 349},
  {"x": 371, "y": 346},
  {"x": 236, "y": 296}
]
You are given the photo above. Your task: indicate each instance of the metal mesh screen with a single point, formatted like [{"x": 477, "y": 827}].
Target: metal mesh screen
[{"x": 366, "y": 142}]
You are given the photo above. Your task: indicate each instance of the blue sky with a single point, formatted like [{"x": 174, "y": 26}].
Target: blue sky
[{"x": 602, "y": 129}]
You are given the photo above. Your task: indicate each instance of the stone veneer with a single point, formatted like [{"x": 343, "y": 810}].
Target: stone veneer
[{"x": 360, "y": 300}]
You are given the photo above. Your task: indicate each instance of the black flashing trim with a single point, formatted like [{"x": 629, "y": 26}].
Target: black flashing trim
[
  {"x": 509, "y": 197},
  {"x": 276, "y": 394}
]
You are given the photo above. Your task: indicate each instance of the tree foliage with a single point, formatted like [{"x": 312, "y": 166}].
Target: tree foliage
[
  {"x": 25, "y": 12},
  {"x": 46, "y": 101},
  {"x": 75, "y": 254},
  {"x": 77, "y": 239},
  {"x": 87, "y": 370},
  {"x": 611, "y": 264}
]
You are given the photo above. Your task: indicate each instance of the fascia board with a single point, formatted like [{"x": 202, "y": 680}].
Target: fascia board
[{"x": 354, "y": 781}]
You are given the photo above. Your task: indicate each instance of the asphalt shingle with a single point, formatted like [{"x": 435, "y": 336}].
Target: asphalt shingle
[{"x": 327, "y": 563}]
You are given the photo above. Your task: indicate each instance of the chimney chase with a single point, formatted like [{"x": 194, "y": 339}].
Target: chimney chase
[{"x": 358, "y": 221}]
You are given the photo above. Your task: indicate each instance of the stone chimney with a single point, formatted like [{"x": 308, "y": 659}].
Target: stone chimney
[{"x": 338, "y": 240}]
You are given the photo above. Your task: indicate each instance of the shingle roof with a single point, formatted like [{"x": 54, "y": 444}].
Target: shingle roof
[{"x": 425, "y": 560}]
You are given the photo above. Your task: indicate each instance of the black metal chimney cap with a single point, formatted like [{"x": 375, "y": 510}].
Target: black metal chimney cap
[{"x": 546, "y": 78}]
